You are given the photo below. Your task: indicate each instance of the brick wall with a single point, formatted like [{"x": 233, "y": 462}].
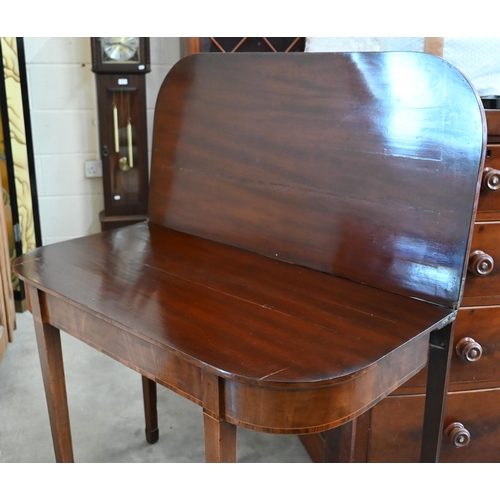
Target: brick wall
[{"x": 62, "y": 98}]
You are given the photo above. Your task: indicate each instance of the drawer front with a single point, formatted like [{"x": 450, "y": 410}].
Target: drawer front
[
  {"x": 489, "y": 199},
  {"x": 493, "y": 125},
  {"x": 396, "y": 428},
  {"x": 476, "y": 330},
  {"x": 484, "y": 289}
]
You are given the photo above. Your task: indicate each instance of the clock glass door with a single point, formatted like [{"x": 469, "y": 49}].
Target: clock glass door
[{"x": 123, "y": 148}]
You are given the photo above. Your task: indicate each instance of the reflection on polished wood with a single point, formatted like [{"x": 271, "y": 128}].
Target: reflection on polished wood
[{"x": 310, "y": 217}]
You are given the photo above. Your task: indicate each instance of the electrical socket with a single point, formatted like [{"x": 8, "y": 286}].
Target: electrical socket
[{"x": 93, "y": 168}]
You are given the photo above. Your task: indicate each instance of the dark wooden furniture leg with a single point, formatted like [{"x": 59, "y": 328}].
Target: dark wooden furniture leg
[
  {"x": 150, "y": 410},
  {"x": 346, "y": 443},
  {"x": 220, "y": 435},
  {"x": 340, "y": 442},
  {"x": 440, "y": 347},
  {"x": 49, "y": 347},
  {"x": 220, "y": 440}
]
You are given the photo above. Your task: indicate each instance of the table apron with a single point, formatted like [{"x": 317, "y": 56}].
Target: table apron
[{"x": 278, "y": 410}]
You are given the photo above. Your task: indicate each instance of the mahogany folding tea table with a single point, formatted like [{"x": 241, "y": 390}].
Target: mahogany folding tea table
[{"x": 308, "y": 231}]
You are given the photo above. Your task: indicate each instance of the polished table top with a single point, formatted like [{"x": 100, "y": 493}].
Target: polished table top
[{"x": 242, "y": 315}]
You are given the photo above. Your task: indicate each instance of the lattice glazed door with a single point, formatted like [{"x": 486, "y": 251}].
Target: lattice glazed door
[
  {"x": 243, "y": 44},
  {"x": 252, "y": 44}
]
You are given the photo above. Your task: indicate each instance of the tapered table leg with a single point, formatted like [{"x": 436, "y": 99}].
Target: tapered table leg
[
  {"x": 50, "y": 352},
  {"x": 220, "y": 435},
  {"x": 150, "y": 410},
  {"x": 440, "y": 348},
  {"x": 340, "y": 443},
  {"x": 220, "y": 440}
]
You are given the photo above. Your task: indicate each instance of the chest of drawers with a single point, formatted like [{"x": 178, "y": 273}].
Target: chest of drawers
[
  {"x": 473, "y": 404},
  {"x": 391, "y": 430}
]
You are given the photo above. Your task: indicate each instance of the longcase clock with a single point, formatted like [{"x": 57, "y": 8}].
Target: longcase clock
[{"x": 120, "y": 65}]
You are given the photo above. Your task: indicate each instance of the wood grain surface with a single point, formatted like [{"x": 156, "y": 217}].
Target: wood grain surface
[{"x": 360, "y": 165}]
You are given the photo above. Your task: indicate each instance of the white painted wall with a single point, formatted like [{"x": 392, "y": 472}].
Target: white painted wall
[
  {"x": 471, "y": 55},
  {"x": 62, "y": 96}
]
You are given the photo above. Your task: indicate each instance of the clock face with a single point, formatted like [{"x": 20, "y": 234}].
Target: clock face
[{"x": 120, "y": 49}]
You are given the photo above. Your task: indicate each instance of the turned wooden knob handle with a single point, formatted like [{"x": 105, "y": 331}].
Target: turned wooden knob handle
[
  {"x": 491, "y": 179},
  {"x": 468, "y": 349},
  {"x": 457, "y": 434},
  {"x": 480, "y": 263}
]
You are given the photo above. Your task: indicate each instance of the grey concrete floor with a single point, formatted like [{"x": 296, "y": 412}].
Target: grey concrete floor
[{"x": 106, "y": 413}]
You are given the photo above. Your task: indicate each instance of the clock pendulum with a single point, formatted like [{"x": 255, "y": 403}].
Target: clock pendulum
[{"x": 125, "y": 162}]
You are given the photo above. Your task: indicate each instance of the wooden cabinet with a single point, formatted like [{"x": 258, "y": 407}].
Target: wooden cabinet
[
  {"x": 391, "y": 431},
  {"x": 477, "y": 334},
  {"x": 394, "y": 426},
  {"x": 193, "y": 45}
]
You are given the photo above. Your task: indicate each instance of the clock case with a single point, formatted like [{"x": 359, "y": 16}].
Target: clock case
[{"x": 122, "y": 86}]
